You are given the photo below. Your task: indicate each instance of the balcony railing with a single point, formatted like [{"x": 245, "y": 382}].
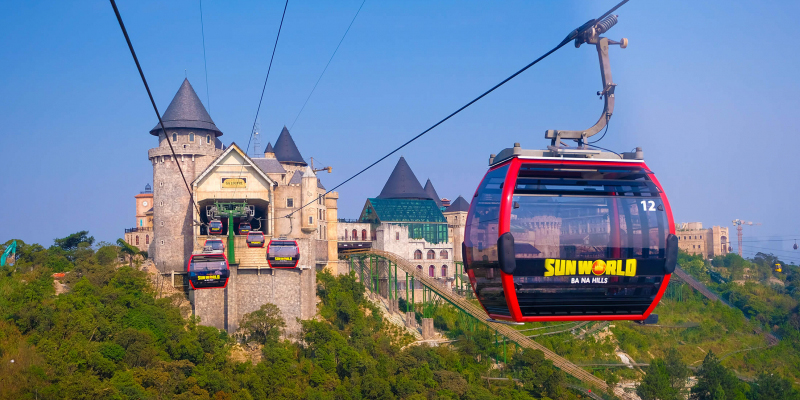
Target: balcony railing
[{"x": 139, "y": 229}]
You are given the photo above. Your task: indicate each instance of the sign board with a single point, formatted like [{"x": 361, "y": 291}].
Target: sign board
[{"x": 234, "y": 183}]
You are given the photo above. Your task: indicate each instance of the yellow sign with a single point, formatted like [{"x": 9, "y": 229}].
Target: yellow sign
[
  {"x": 202, "y": 278},
  {"x": 556, "y": 267},
  {"x": 283, "y": 258},
  {"x": 234, "y": 183}
]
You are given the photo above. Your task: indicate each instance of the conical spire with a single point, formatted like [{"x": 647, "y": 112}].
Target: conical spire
[
  {"x": 186, "y": 111},
  {"x": 430, "y": 191},
  {"x": 460, "y": 204},
  {"x": 269, "y": 148},
  {"x": 403, "y": 184},
  {"x": 285, "y": 149}
]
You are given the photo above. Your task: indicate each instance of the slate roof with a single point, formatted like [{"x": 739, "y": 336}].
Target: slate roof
[
  {"x": 430, "y": 191},
  {"x": 186, "y": 111},
  {"x": 403, "y": 184},
  {"x": 285, "y": 149},
  {"x": 269, "y": 148},
  {"x": 269, "y": 165},
  {"x": 460, "y": 204},
  {"x": 297, "y": 178}
]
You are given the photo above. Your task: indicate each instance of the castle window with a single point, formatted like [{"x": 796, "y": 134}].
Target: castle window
[
  {"x": 310, "y": 220},
  {"x": 364, "y": 234},
  {"x": 162, "y": 242},
  {"x": 397, "y": 236},
  {"x": 174, "y": 137},
  {"x": 289, "y": 202},
  {"x": 419, "y": 267},
  {"x": 444, "y": 271},
  {"x": 137, "y": 240},
  {"x": 431, "y": 255},
  {"x": 355, "y": 234},
  {"x": 208, "y": 138},
  {"x": 443, "y": 254},
  {"x": 146, "y": 239},
  {"x": 191, "y": 136},
  {"x": 431, "y": 271},
  {"x": 418, "y": 256}
]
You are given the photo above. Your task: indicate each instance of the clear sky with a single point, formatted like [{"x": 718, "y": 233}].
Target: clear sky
[{"x": 708, "y": 89}]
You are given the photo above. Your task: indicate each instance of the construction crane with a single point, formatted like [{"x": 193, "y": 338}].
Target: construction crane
[{"x": 738, "y": 224}]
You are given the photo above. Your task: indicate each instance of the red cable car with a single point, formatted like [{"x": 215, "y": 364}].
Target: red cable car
[
  {"x": 244, "y": 228},
  {"x": 282, "y": 253},
  {"x": 554, "y": 237},
  {"x": 214, "y": 246},
  {"x": 215, "y": 227},
  {"x": 208, "y": 270},
  {"x": 255, "y": 239},
  {"x": 571, "y": 233}
]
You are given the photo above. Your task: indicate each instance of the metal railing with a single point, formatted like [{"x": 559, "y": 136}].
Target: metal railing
[{"x": 139, "y": 229}]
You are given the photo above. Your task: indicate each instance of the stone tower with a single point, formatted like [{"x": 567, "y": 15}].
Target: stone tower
[
  {"x": 308, "y": 195},
  {"x": 456, "y": 215},
  {"x": 194, "y": 139}
]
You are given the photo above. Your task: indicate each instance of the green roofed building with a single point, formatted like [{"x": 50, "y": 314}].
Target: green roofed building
[{"x": 423, "y": 217}]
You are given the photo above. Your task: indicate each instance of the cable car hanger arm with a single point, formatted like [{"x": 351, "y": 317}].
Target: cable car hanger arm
[{"x": 591, "y": 35}]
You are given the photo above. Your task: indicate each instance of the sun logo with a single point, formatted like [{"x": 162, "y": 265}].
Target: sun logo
[{"x": 599, "y": 267}]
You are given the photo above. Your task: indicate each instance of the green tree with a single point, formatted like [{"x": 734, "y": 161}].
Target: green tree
[
  {"x": 656, "y": 384},
  {"x": 677, "y": 370},
  {"x": 72, "y": 241},
  {"x": 264, "y": 325},
  {"x": 714, "y": 382},
  {"x": 772, "y": 386}
]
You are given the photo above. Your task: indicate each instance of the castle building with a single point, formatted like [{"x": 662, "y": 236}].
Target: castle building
[
  {"x": 274, "y": 187},
  {"x": 709, "y": 243},
  {"x": 142, "y": 232}
]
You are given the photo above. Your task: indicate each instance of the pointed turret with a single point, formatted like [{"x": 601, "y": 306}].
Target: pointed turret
[
  {"x": 286, "y": 151},
  {"x": 269, "y": 152},
  {"x": 186, "y": 111},
  {"x": 459, "y": 205},
  {"x": 403, "y": 184},
  {"x": 430, "y": 191}
]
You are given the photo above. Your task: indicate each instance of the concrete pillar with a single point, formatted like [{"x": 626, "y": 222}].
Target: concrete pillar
[
  {"x": 427, "y": 328},
  {"x": 411, "y": 319}
]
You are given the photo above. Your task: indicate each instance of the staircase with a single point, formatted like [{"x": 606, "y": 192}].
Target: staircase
[{"x": 505, "y": 330}]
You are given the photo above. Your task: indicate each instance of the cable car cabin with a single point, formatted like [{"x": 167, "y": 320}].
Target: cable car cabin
[
  {"x": 244, "y": 228},
  {"x": 553, "y": 237},
  {"x": 255, "y": 239},
  {"x": 214, "y": 246},
  {"x": 283, "y": 253},
  {"x": 778, "y": 268},
  {"x": 208, "y": 271},
  {"x": 215, "y": 227}
]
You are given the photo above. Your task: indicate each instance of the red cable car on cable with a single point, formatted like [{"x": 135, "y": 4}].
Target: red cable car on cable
[
  {"x": 255, "y": 239},
  {"x": 244, "y": 228},
  {"x": 208, "y": 270},
  {"x": 215, "y": 227},
  {"x": 283, "y": 253},
  {"x": 571, "y": 233}
]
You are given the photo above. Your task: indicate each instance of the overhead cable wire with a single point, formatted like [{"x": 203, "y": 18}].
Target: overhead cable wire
[
  {"x": 263, "y": 89},
  {"x": 572, "y": 35},
  {"x": 326, "y": 65},
  {"x": 205, "y": 65},
  {"x": 153, "y": 102}
]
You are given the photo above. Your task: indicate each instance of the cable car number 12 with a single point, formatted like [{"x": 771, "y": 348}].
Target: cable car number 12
[{"x": 648, "y": 205}]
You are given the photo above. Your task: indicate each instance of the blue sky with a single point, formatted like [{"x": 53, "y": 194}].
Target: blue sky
[{"x": 708, "y": 89}]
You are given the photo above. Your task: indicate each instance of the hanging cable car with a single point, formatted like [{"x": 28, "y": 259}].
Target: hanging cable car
[
  {"x": 214, "y": 246},
  {"x": 215, "y": 227},
  {"x": 255, "y": 239},
  {"x": 778, "y": 267},
  {"x": 283, "y": 253},
  {"x": 795, "y": 245},
  {"x": 571, "y": 233},
  {"x": 244, "y": 228},
  {"x": 208, "y": 270}
]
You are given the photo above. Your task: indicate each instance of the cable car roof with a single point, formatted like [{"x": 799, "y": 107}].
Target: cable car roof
[{"x": 566, "y": 154}]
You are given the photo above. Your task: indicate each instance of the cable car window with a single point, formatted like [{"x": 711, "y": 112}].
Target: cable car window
[
  {"x": 207, "y": 264},
  {"x": 481, "y": 242}
]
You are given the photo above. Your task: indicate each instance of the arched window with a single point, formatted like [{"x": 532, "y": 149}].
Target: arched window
[
  {"x": 431, "y": 271},
  {"x": 355, "y": 234},
  {"x": 419, "y": 267},
  {"x": 191, "y": 136},
  {"x": 444, "y": 271},
  {"x": 146, "y": 239},
  {"x": 431, "y": 255},
  {"x": 208, "y": 138},
  {"x": 174, "y": 137},
  {"x": 364, "y": 235},
  {"x": 418, "y": 256},
  {"x": 137, "y": 240},
  {"x": 443, "y": 254}
]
